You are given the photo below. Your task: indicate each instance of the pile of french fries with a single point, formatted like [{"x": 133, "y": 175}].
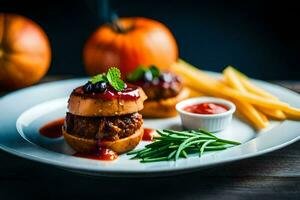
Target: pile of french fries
[{"x": 254, "y": 104}]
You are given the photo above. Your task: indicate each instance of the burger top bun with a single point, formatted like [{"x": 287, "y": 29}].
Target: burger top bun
[{"x": 83, "y": 105}]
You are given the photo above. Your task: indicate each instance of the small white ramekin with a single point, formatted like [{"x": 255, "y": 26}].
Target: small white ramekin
[{"x": 208, "y": 122}]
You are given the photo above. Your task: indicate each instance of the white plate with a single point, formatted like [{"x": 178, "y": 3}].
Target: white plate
[{"x": 25, "y": 111}]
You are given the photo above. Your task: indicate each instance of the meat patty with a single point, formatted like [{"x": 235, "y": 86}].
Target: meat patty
[
  {"x": 168, "y": 85},
  {"x": 109, "y": 128},
  {"x": 154, "y": 92}
]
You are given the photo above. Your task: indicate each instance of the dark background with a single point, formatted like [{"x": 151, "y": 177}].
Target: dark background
[{"x": 261, "y": 38}]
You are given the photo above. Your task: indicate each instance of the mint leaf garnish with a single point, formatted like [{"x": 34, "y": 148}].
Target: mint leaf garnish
[
  {"x": 98, "y": 78},
  {"x": 114, "y": 78},
  {"x": 154, "y": 71},
  {"x": 137, "y": 74}
]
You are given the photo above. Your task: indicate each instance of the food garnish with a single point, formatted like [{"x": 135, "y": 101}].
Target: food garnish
[
  {"x": 99, "y": 82},
  {"x": 114, "y": 78},
  {"x": 141, "y": 72},
  {"x": 171, "y": 145}
]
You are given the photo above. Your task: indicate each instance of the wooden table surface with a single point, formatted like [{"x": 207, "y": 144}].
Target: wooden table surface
[{"x": 274, "y": 175}]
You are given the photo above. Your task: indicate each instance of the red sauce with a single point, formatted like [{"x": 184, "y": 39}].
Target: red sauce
[
  {"x": 52, "y": 129},
  {"x": 131, "y": 92},
  {"x": 173, "y": 81},
  {"x": 206, "y": 108},
  {"x": 102, "y": 154},
  {"x": 148, "y": 134}
]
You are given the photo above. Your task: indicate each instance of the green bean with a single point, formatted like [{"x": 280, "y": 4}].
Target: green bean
[
  {"x": 179, "y": 132},
  {"x": 154, "y": 151},
  {"x": 182, "y": 145},
  {"x": 174, "y": 144},
  {"x": 215, "y": 148},
  {"x": 171, "y": 135},
  {"x": 171, "y": 154},
  {"x": 135, "y": 151},
  {"x": 154, "y": 159},
  {"x": 184, "y": 153},
  {"x": 156, "y": 143},
  {"x": 204, "y": 145}
]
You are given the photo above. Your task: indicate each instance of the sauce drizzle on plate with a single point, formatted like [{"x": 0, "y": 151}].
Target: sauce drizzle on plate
[
  {"x": 148, "y": 134},
  {"x": 52, "y": 129},
  {"x": 101, "y": 154}
]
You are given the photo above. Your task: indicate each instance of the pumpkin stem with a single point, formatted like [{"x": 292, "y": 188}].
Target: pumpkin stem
[
  {"x": 116, "y": 24},
  {"x": 118, "y": 27}
]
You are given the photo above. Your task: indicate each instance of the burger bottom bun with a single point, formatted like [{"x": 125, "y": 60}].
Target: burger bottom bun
[
  {"x": 83, "y": 145},
  {"x": 164, "y": 108}
]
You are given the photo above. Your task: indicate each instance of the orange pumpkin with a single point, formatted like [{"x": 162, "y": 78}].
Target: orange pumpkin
[
  {"x": 129, "y": 43},
  {"x": 25, "y": 52}
]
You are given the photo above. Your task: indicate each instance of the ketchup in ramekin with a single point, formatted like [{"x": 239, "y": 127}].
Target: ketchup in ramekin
[
  {"x": 207, "y": 113},
  {"x": 206, "y": 108}
]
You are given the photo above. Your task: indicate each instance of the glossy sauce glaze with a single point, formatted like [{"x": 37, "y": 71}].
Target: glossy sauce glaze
[
  {"x": 52, "y": 129},
  {"x": 148, "y": 134},
  {"x": 131, "y": 92},
  {"x": 206, "y": 108},
  {"x": 101, "y": 154},
  {"x": 167, "y": 82}
]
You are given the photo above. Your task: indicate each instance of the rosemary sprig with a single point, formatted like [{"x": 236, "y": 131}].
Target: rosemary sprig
[{"x": 172, "y": 145}]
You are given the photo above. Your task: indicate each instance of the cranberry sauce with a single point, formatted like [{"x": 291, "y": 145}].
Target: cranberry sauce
[
  {"x": 52, "y": 129},
  {"x": 165, "y": 80},
  {"x": 130, "y": 92},
  {"x": 101, "y": 154},
  {"x": 148, "y": 134}
]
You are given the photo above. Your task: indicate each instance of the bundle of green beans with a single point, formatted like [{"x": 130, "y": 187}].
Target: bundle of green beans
[{"x": 170, "y": 145}]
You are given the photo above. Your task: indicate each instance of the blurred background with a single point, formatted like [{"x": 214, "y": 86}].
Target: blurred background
[{"x": 261, "y": 38}]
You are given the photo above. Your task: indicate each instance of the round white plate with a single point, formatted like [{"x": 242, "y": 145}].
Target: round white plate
[{"x": 25, "y": 111}]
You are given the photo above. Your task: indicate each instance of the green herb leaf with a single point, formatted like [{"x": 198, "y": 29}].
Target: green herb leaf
[
  {"x": 98, "y": 78},
  {"x": 154, "y": 71},
  {"x": 137, "y": 74},
  {"x": 114, "y": 78}
]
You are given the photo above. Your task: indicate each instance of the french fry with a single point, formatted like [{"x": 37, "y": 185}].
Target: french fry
[
  {"x": 246, "y": 85},
  {"x": 275, "y": 114},
  {"x": 292, "y": 114},
  {"x": 256, "y": 117},
  {"x": 233, "y": 81},
  {"x": 292, "y": 117},
  {"x": 194, "y": 78},
  {"x": 200, "y": 81},
  {"x": 263, "y": 116},
  {"x": 249, "y": 86},
  {"x": 249, "y": 113},
  {"x": 194, "y": 93}
]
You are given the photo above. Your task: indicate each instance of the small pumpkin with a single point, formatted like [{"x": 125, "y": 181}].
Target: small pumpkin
[
  {"x": 25, "y": 52},
  {"x": 130, "y": 42}
]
